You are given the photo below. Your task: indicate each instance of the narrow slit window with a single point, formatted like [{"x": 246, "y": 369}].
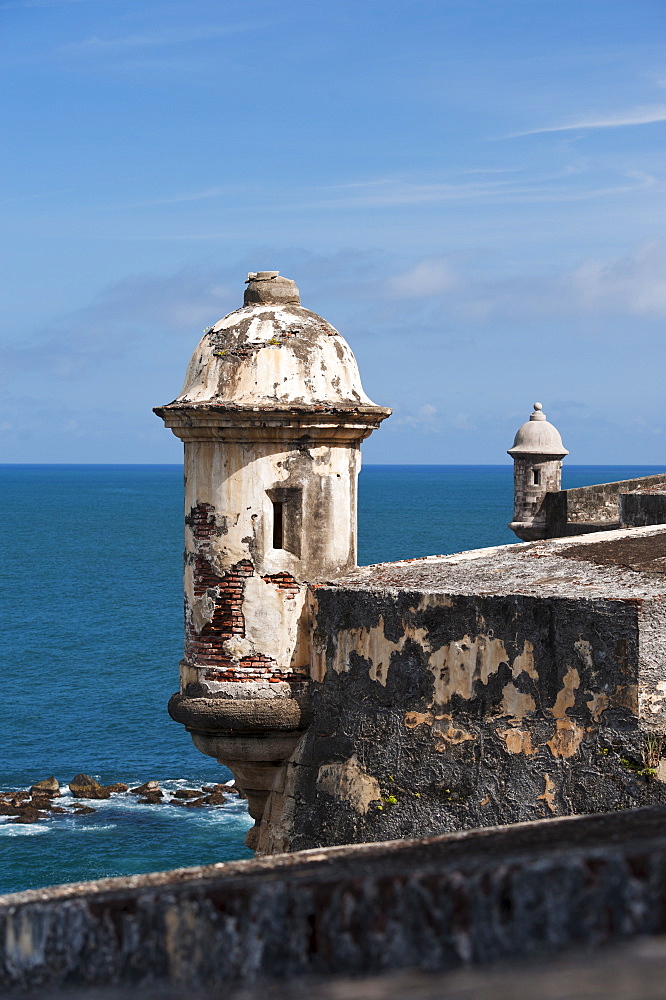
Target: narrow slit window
[
  {"x": 286, "y": 504},
  {"x": 536, "y": 475},
  {"x": 278, "y": 524}
]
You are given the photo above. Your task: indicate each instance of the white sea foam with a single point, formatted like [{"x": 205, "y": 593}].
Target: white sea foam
[
  {"x": 230, "y": 814},
  {"x": 94, "y": 827},
  {"x": 22, "y": 829}
]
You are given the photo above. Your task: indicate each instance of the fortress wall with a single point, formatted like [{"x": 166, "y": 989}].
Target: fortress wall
[
  {"x": 432, "y": 904},
  {"x": 435, "y": 712},
  {"x": 643, "y": 507},
  {"x": 593, "y": 504}
]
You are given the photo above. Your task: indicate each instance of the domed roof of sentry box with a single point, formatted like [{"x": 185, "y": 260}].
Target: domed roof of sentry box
[
  {"x": 538, "y": 437},
  {"x": 273, "y": 353}
]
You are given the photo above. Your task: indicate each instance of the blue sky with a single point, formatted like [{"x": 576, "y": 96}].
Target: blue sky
[{"x": 472, "y": 191}]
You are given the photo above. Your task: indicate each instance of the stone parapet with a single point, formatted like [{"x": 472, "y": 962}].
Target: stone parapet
[
  {"x": 438, "y": 903},
  {"x": 487, "y": 687},
  {"x": 602, "y": 507},
  {"x": 643, "y": 506}
]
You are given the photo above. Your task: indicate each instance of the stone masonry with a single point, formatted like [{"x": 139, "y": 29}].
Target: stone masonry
[
  {"x": 484, "y": 688},
  {"x": 272, "y": 415},
  {"x": 518, "y": 893},
  {"x": 423, "y": 697}
]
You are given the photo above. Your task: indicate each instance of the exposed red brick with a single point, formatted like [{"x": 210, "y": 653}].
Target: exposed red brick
[
  {"x": 284, "y": 582},
  {"x": 201, "y": 520},
  {"x": 227, "y": 622}
]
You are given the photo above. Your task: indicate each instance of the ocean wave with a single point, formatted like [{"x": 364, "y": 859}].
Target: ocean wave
[
  {"x": 22, "y": 829},
  {"x": 93, "y": 827}
]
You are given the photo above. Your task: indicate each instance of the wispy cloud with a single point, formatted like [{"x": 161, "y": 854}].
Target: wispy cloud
[
  {"x": 449, "y": 299},
  {"x": 426, "y": 419},
  {"x": 388, "y": 193},
  {"x": 32, "y": 197},
  {"x": 175, "y": 237},
  {"x": 213, "y": 192},
  {"x": 16, "y": 4},
  {"x": 633, "y": 285},
  {"x": 639, "y": 116},
  {"x": 119, "y": 319},
  {"x": 95, "y": 44},
  {"x": 429, "y": 277}
]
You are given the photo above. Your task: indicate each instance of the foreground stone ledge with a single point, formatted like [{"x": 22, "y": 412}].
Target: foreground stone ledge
[
  {"x": 438, "y": 903},
  {"x": 632, "y": 971}
]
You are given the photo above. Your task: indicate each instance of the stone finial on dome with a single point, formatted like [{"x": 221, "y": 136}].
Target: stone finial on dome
[
  {"x": 267, "y": 288},
  {"x": 274, "y": 354},
  {"x": 538, "y": 437}
]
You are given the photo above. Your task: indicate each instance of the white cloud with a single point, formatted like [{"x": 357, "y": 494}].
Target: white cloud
[
  {"x": 426, "y": 419},
  {"x": 571, "y": 184},
  {"x": 452, "y": 295},
  {"x": 16, "y": 4},
  {"x": 639, "y": 116},
  {"x": 386, "y": 192},
  {"x": 634, "y": 284},
  {"x": 119, "y": 318},
  {"x": 429, "y": 277},
  {"x": 159, "y": 39},
  {"x": 446, "y": 299},
  {"x": 463, "y": 422},
  {"x": 213, "y": 192}
]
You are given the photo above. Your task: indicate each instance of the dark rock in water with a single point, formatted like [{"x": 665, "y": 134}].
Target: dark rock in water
[
  {"x": 59, "y": 809},
  {"x": 49, "y": 786},
  {"x": 83, "y": 781},
  {"x": 153, "y": 799},
  {"x": 29, "y": 815},
  {"x": 148, "y": 788},
  {"x": 187, "y": 793},
  {"x": 85, "y": 787},
  {"x": 119, "y": 786},
  {"x": 7, "y": 809},
  {"x": 220, "y": 787},
  {"x": 42, "y": 802},
  {"x": 215, "y": 799},
  {"x": 83, "y": 810},
  {"x": 19, "y": 795},
  {"x": 188, "y": 803},
  {"x": 93, "y": 793}
]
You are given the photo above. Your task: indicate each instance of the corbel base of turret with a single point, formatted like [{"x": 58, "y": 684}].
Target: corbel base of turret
[
  {"x": 253, "y": 737},
  {"x": 529, "y": 531}
]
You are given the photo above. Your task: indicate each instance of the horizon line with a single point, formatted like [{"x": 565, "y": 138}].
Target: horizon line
[{"x": 366, "y": 465}]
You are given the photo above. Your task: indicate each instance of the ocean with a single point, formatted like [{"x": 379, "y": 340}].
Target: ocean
[{"x": 92, "y": 634}]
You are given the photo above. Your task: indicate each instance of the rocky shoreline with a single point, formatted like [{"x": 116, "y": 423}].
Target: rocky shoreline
[{"x": 39, "y": 802}]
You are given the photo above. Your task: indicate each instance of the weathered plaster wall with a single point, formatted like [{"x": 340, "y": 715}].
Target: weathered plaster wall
[
  {"x": 435, "y": 904},
  {"x": 272, "y": 415},
  {"x": 243, "y": 596},
  {"x": 273, "y": 353},
  {"x": 516, "y": 683},
  {"x": 434, "y": 714},
  {"x": 236, "y": 480}
]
